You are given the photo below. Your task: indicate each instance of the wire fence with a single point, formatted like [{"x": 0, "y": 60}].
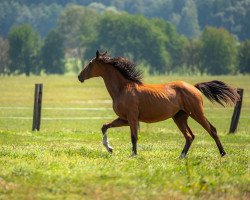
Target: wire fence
[{"x": 89, "y": 109}]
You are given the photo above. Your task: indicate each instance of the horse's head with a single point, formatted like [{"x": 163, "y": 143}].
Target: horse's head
[{"x": 92, "y": 69}]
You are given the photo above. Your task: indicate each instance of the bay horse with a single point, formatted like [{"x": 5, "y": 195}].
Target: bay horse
[{"x": 135, "y": 101}]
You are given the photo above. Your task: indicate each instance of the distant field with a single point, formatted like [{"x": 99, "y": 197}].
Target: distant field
[{"x": 66, "y": 159}]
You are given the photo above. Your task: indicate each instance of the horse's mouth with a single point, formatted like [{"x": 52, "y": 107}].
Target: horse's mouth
[{"x": 80, "y": 79}]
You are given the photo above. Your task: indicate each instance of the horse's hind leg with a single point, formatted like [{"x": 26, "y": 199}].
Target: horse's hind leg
[
  {"x": 212, "y": 132},
  {"x": 202, "y": 120},
  {"x": 181, "y": 121},
  {"x": 116, "y": 123},
  {"x": 214, "y": 135}
]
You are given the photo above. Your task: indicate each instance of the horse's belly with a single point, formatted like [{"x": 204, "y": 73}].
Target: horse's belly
[
  {"x": 155, "y": 113},
  {"x": 155, "y": 119}
]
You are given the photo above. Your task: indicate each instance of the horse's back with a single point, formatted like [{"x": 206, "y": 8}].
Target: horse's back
[{"x": 163, "y": 101}]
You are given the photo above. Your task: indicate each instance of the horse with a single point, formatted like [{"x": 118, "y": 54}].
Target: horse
[{"x": 135, "y": 101}]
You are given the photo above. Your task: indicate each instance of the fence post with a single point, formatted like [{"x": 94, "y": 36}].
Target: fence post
[
  {"x": 37, "y": 107},
  {"x": 236, "y": 114}
]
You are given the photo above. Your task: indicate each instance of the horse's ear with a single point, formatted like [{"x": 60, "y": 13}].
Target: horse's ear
[{"x": 97, "y": 54}]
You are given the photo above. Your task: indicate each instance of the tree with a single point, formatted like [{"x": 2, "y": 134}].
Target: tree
[
  {"x": 246, "y": 24},
  {"x": 8, "y": 15},
  {"x": 41, "y": 17},
  {"x": 244, "y": 57},
  {"x": 191, "y": 55},
  {"x": 132, "y": 36},
  {"x": 188, "y": 24},
  {"x": 78, "y": 26},
  {"x": 231, "y": 15},
  {"x": 100, "y": 8},
  {"x": 53, "y": 53},
  {"x": 175, "y": 43},
  {"x": 218, "y": 51},
  {"x": 4, "y": 47},
  {"x": 24, "y": 46}
]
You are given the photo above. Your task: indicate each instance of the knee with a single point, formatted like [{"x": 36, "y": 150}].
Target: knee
[{"x": 104, "y": 128}]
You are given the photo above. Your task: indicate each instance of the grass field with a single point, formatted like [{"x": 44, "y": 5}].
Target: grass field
[{"x": 66, "y": 159}]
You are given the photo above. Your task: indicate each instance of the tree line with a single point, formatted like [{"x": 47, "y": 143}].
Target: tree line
[
  {"x": 189, "y": 16},
  {"x": 153, "y": 43}
]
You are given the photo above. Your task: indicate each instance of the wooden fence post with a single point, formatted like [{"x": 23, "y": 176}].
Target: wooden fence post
[
  {"x": 37, "y": 107},
  {"x": 236, "y": 114}
]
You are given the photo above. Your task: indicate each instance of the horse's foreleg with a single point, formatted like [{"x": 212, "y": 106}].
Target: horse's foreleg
[
  {"x": 116, "y": 123},
  {"x": 181, "y": 121},
  {"x": 134, "y": 132}
]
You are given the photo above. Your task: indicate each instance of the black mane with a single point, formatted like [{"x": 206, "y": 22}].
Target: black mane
[{"x": 126, "y": 67}]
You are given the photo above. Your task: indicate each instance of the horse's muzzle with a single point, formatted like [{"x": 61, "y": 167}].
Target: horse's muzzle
[{"x": 80, "y": 79}]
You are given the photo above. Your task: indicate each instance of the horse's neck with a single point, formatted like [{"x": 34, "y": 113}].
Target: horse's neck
[{"x": 114, "y": 82}]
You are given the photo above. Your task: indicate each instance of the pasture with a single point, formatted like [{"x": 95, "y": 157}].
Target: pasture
[{"x": 66, "y": 159}]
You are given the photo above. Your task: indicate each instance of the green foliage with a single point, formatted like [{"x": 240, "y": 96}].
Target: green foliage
[
  {"x": 231, "y": 15},
  {"x": 78, "y": 25},
  {"x": 175, "y": 43},
  {"x": 41, "y": 17},
  {"x": 244, "y": 57},
  {"x": 4, "y": 48},
  {"x": 189, "y": 16},
  {"x": 188, "y": 24},
  {"x": 151, "y": 42},
  {"x": 53, "y": 53},
  {"x": 132, "y": 36},
  {"x": 24, "y": 46},
  {"x": 8, "y": 15},
  {"x": 100, "y": 8},
  {"x": 192, "y": 55},
  {"x": 218, "y": 51}
]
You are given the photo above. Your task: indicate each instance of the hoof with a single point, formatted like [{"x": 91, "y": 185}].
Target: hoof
[
  {"x": 110, "y": 149},
  {"x": 133, "y": 155},
  {"x": 183, "y": 155},
  {"x": 104, "y": 129},
  {"x": 223, "y": 153}
]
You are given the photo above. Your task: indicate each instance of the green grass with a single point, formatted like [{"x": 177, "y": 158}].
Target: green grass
[{"x": 66, "y": 159}]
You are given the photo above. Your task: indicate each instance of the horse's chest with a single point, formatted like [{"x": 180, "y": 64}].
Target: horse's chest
[
  {"x": 125, "y": 106},
  {"x": 120, "y": 109}
]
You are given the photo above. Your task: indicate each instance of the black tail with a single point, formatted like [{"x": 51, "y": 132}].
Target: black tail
[{"x": 217, "y": 91}]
